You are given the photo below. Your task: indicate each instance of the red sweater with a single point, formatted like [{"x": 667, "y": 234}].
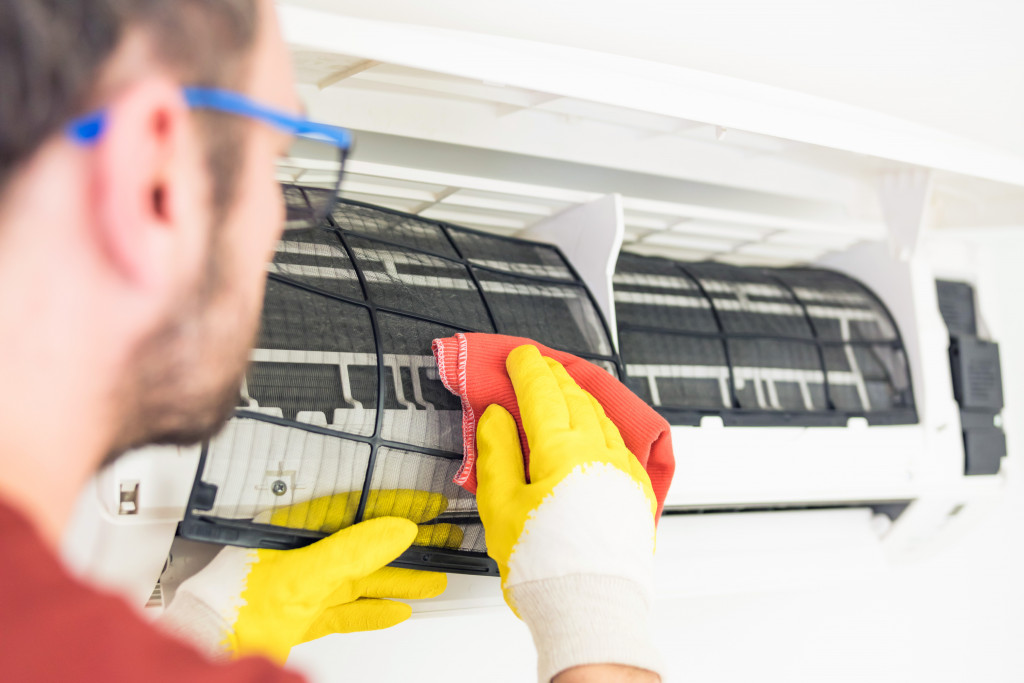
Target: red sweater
[{"x": 53, "y": 627}]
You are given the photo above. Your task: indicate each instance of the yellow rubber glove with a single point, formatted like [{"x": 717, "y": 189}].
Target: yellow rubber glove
[
  {"x": 328, "y": 514},
  {"x": 575, "y": 546},
  {"x": 259, "y": 601}
]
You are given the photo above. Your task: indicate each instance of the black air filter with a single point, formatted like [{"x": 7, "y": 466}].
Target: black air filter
[
  {"x": 343, "y": 395},
  {"x": 758, "y": 346}
]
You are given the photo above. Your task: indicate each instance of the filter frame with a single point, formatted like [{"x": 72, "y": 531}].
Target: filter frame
[{"x": 197, "y": 525}]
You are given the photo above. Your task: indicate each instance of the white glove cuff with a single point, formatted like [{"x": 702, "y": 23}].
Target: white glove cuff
[
  {"x": 193, "y": 621},
  {"x": 587, "y": 619}
]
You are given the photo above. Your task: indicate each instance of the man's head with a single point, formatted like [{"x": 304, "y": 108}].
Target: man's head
[{"x": 149, "y": 246}]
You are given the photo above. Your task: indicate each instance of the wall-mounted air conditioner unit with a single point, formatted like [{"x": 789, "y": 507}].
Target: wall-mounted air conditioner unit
[{"x": 723, "y": 249}]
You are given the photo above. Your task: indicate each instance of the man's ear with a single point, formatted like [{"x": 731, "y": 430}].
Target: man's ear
[{"x": 141, "y": 180}]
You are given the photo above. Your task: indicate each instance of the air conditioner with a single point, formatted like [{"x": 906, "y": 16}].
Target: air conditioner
[{"x": 668, "y": 193}]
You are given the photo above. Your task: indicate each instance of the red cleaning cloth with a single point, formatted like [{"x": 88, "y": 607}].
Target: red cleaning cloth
[{"x": 472, "y": 366}]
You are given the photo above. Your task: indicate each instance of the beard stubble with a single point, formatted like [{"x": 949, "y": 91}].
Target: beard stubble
[{"x": 183, "y": 381}]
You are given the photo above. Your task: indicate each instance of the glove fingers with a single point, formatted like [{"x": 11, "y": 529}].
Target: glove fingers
[
  {"x": 439, "y": 536},
  {"x": 613, "y": 439},
  {"x": 331, "y": 513},
  {"x": 612, "y": 436},
  {"x": 326, "y": 514},
  {"x": 499, "y": 466},
  {"x": 403, "y": 584},
  {"x": 418, "y": 506},
  {"x": 349, "y": 554},
  {"x": 361, "y": 615},
  {"x": 541, "y": 404},
  {"x": 581, "y": 408}
]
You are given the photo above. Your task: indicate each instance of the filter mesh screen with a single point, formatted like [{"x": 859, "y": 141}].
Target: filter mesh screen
[
  {"x": 758, "y": 345},
  {"x": 342, "y": 415},
  {"x": 284, "y": 466},
  {"x": 315, "y": 258},
  {"x": 518, "y": 258},
  {"x": 559, "y": 316},
  {"x": 402, "y": 229},
  {"x": 405, "y": 280}
]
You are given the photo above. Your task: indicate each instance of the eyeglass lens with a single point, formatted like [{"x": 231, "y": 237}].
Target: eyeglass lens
[{"x": 318, "y": 167}]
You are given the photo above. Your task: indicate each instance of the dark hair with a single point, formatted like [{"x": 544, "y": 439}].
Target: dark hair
[{"x": 52, "y": 53}]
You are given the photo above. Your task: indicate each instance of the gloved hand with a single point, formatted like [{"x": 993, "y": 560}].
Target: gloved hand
[
  {"x": 249, "y": 601},
  {"x": 328, "y": 514},
  {"x": 575, "y": 545}
]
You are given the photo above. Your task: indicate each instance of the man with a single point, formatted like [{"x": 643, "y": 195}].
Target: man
[{"x": 136, "y": 219}]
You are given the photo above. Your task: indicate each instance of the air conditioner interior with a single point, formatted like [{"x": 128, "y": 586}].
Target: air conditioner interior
[
  {"x": 758, "y": 346},
  {"x": 342, "y": 405}
]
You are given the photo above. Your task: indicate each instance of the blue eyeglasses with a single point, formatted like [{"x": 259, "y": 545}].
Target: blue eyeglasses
[{"x": 323, "y": 148}]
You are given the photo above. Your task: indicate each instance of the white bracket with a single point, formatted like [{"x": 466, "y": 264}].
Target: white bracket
[
  {"x": 590, "y": 235},
  {"x": 906, "y": 199}
]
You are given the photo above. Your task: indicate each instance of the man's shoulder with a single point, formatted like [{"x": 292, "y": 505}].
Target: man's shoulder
[{"x": 54, "y": 626}]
